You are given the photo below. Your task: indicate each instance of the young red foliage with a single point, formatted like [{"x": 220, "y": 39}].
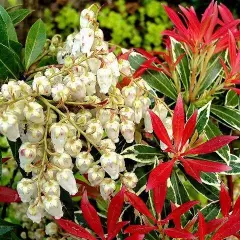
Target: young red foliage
[
  {"x": 159, "y": 195},
  {"x": 135, "y": 237},
  {"x": 225, "y": 201},
  {"x": 116, "y": 230},
  {"x": 201, "y": 226},
  {"x": 8, "y": 195},
  {"x": 140, "y": 229},
  {"x": 178, "y": 233}
]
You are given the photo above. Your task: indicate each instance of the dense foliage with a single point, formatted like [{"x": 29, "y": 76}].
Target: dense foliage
[{"x": 128, "y": 146}]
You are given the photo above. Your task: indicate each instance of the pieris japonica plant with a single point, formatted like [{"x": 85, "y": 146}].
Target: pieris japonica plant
[{"x": 117, "y": 143}]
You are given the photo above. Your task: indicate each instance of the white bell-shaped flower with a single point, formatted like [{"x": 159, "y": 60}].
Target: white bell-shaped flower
[
  {"x": 76, "y": 46},
  {"x": 69, "y": 42},
  {"x": 94, "y": 64},
  {"x": 33, "y": 112},
  {"x": 127, "y": 113},
  {"x": 35, "y": 211},
  {"x": 86, "y": 39},
  {"x": 121, "y": 163},
  {"x": 146, "y": 102},
  {"x": 73, "y": 146},
  {"x": 107, "y": 187},
  {"x": 67, "y": 181},
  {"x": 104, "y": 115},
  {"x": 127, "y": 129},
  {"x": 35, "y": 132},
  {"x": 17, "y": 109},
  {"x": 107, "y": 145},
  {"x": 109, "y": 162},
  {"x": 27, "y": 153},
  {"x": 9, "y": 126},
  {"x": 11, "y": 90},
  {"x": 138, "y": 110},
  {"x": 53, "y": 206},
  {"x": 60, "y": 93},
  {"x": 77, "y": 89},
  {"x": 61, "y": 55},
  {"x": 130, "y": 180},
  {"x": 53, "y": 75},
  {"x": 51, "y": 187},
  {"x": 95, "y": 175},
  {"x": 148, "y": 123},
  {"x": 51, "y": 229},
  {"x": 59, "y": 135},
  {"x": 62, "y": 160},
  {"x": 87, "y": 18},
  {"x": 111, "y": 62},
  {"x": 91, "y": 84},
  {"x": 104, "y": 79},
  {"x": 84, "y": 161},
  {"x": 160, "y": 110},
  {"x": 125, "y": 68},
  {"x": 95, "y": 131},
  {"x": 26, "y": 189},
  {"x": 83, "y": 117},
  {"x": 41, "y": 85},
  {"x": 26, "y": 89},
  {"x": 101, "y": 46},
  {"x": 113, "y": 128},
  {"x": 129, "y": 94}
]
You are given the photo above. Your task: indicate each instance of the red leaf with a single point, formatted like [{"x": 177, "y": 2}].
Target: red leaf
[
  {"x": 178, "y": 212},
  {"x": 189, "y": 129},
  {"x": 178, "y": 233},
  {"x": 91, "y": 216},
  {"x": 159, "y": 195},
  {"x": 160, "y": 130},
  {"x": 212, "y": 145},
  {"x": 194, "y": 167},
  {"x": 225, "y": 201},
  {"x": 93, "y": 192},
  {"x": 232, "y": 49},
  {"x": 116, "y": 229},
  {"x": 231, "y": 227},
  {"x": 139, "y": 205},
  {"x": 74, "y": 229},
  {"x": 236, "y": 207},
  {"x": 8, "y": 195},
  {"x": 5, "y": 159},
  {"x": 114, "y": 210},
  {"x": 141, "y": 229},
  {"x": 178, "y": 122},
  {"x": 201, "y": 226},
  {"x": 160, "y": 174},
  {"x": 135, "y": 237},
  {"x": 214, "y": 224},
  {"x": 236, "y": 90}
]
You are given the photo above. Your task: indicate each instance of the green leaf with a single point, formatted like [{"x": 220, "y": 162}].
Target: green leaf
[
  {"x": 12, "y": 35},
  {"x": 203, "y": 117},
  {"x": 231, "y": 99},
  {"x": 3, "y": 32},
  {"x": 157, "y": 80},
  {"x": 234, "y": 164},
  {"x": 183, "y": 66},
  {"x": 210, "y": 179},
  {"x": 211, "y": 131},
  {"x": 16, "y": 47},
  {"x": 18, "y": 15},
  {"x": 142, "y": 153},
  {"x": 10, "y": 65},
  {"x": 6, "y": 227},
  {"x": 211, "y": 211},
  {"x": 35, "y": 42},
  {"x": 227, "y": 116}
]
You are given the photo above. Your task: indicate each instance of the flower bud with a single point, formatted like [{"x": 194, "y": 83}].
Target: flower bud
[
  {"x": 41, "y": 85},
  {"x": 39, "y": 234},
  {"x": 86, "y": 18},
  {"x": 107, "y": 145},
  {"x": 83, "y": 117},
  {"x": 104, "y": 79},
  {"x": 60, "y": 93},
  {"x": 73, "y": 147},
  {"x": 53, "y": 206},
  {"x": 35, "y": 132},
  {"x": 148, "y": 123},
  {"x": 121, "y": 163},
  {"x": 124, "y": 67},
  {"x": 129, "y": 94},
  {"x": 107, "y": 187},
  {"x": 11, "y": 90},
  {"x": 127, "y": 113},
  {"x": 87, "y": 38},
  {"x": 95, "y": 175},
  {"x": 27, "y": 153},
  {"x": 95, "y": 131},
  {"x": 68, "y": 61},
  {"x": 26, "y": 189},
  {"x": 104, "y": 115},
  {"x": 9, "y": 126},
  {"x": 62, "y": 160},
  {"x": 59, "y": 134},
  {"x": 112, "y": 129},
  {"x": 52, "y": 118},
  {"x": 138, "y": 113},
  {"x": 128, "y": 129},
  {"x": 35, "y": 211},
  {"x": 130, "y": 180},
  {"x": 51, "y": 187},
  {"x": 33, "y": 112},
  {"x": 67, "y": 181},
  {"x": 109, "y": 162},
  {"x": 53, "y": 75},
  {"x": 94, "y": 64},
  {"x": 84, "y": 161},
  {"x": 51, "y": 229}
]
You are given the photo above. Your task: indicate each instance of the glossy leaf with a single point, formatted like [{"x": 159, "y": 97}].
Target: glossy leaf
[
  {"x": 178, "y": 233},
  {"x": 214, "y": 224},
  {"x": 139, "y": 205},
  {"x": 201, "y": 226},
  {"x": 74, "y": 229},
  {"x": 91, "y": 216},
  {"x": 8, "y": 195},
  {"x": 116, "y": 230},
  {"x": 18, "y": 15},
  {"x": 160, "y": 174},
  {"x": 159, "y": 195},
  {"x": 135, "y": 237},
  {"x": 211, "y": 211},
  {"x": 140, "y": 229},
  {"x": 203, "y": 117},
  {"x": 225, "y": 201},
  {"x": 35, "y": 41},
  {"x": 231, "y": 99}
]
